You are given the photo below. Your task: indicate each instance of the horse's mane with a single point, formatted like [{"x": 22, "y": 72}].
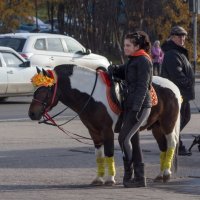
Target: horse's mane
[{"x": 68, "y": 69}]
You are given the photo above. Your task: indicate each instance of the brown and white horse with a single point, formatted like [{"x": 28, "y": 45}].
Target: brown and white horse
[{"x": 74, "y": 86}]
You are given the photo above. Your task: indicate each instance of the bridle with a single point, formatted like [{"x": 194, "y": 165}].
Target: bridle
[{"x": 45, "y": 109}]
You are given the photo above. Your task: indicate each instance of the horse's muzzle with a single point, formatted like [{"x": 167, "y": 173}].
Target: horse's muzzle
[{"x": 34, "y": 116}]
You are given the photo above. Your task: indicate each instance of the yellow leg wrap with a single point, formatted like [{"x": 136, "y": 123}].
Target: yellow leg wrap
[
  {"x": 100, "y": 166},
  {"x": 168, "y": 158},
  {"x": 162, "y": 160},
  {"x": 111, "y": 166}
]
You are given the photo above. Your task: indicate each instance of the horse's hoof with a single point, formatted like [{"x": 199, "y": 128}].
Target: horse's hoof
[
  {"x": 166, "y": 178},
  {"x": 110, "y": 183},
  {"x": 158, "y": 179},
  {"x": 98, "y": 182}
]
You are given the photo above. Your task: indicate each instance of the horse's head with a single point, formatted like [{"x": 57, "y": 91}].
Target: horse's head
[{"x": 44, "y": 98}]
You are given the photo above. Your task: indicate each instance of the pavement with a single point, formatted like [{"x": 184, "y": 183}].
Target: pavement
[{"x": 40, "y": 162}]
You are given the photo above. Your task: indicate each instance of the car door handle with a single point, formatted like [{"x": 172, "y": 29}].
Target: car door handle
[
  {"x": 10, "y": 72},
  {"x": 51, "y": 58}
]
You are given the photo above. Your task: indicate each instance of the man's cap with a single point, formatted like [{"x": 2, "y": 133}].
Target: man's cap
[{"x": 178, "y": 30}]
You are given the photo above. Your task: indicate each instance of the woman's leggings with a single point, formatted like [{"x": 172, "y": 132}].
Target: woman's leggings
[{"x": 129, "y": 136}]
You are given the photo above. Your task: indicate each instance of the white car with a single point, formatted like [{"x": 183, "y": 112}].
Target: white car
[
  {"x": 44, "y": 49},
  {"x": 15, "y": 74}
]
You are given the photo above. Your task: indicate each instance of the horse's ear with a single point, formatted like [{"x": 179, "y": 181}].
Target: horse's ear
[
  {"x": 45, "y": 73},
  {"x": 38, "y": 70}
]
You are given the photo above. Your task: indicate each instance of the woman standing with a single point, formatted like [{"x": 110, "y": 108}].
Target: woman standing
[
  {"x": 137, "y": 74},
  {"x": 157, "y": 55}
]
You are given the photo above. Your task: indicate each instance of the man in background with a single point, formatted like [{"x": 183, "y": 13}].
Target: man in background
[{"x": 177, "y": 68}]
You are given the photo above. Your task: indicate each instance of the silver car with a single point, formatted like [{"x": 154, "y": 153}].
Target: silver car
[
  {"x": 15, "y": 74},
  {"x": 44, "y": 49}
]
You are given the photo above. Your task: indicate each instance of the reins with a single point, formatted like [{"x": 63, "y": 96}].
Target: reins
[{"x": 52, "y": 122}]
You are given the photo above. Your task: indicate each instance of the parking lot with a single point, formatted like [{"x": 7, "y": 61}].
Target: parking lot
[{"x": 40, "y": 162}]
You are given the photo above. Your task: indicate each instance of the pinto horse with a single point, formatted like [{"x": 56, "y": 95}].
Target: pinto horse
[{"x": 80, "y": 87}]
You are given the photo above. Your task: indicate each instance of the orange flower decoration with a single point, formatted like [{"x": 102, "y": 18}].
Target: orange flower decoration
[{"x": 41, "y": 80}]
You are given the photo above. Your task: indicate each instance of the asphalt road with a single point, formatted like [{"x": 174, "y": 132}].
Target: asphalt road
[
  {"x": 16, "y": 108},
  {"x": 39, "y": 162}
]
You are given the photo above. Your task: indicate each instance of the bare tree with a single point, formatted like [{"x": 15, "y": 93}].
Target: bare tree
[{"x": 102, "y": 24}]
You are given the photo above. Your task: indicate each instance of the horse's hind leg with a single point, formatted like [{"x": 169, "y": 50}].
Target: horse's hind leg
[
  {"x": 171, "y": 146},
  {"x": 167, "y": 144},
  {"x": 172, "y": 141},
  {"x": 166, "y": 156},
  {"x": 162, "y": 143}
]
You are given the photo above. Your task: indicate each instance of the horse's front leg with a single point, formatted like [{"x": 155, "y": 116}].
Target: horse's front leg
[
  {"x": 110, "y": 163},
  {"x": 109, "y": 158},
  {"x": 104, "y": 157},
  {"x": 100, "y": 162}
]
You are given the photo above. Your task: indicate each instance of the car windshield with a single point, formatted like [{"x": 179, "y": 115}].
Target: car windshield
[{"x": 15, "y": 43}]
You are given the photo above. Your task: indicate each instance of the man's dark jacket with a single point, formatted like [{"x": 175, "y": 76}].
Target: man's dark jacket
[
  {"x": 178, "y": 69},
  {"x": 137, "y": 73}
]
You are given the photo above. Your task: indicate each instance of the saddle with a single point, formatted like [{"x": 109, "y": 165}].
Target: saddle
[
  {"x": 114, "y": 92},
  {"x": 117, "y": 92}
]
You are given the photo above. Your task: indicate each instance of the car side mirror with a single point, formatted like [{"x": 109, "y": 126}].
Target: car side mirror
[
  {"x": 25, "y": 64},
  {"x": 85, "y": 52},
  {"x": 88, "y": 51}
]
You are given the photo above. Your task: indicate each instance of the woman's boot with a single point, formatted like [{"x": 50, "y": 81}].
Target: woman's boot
[
  {"x": 128, "y": 171},
  {"x": 139, "y": 175},
  {"x": 139, "y": 179}
]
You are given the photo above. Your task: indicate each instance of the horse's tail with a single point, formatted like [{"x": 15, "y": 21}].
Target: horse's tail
[
  {"x": 175, "y": 161},
  {"x": 177, "y": 133}
]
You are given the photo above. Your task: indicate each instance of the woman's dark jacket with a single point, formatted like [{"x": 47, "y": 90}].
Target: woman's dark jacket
[
  {"x": 178, "y": 69},
  {"x": 137, "y": 73}
]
